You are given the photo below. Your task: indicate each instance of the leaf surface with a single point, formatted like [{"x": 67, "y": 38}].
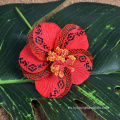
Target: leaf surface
[
  {"x": 102, "y": 25},
  {"x": 17, "y": 98}
]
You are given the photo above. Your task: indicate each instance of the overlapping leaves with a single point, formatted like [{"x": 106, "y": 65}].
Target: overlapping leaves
[{"x": 102, "y": 25}]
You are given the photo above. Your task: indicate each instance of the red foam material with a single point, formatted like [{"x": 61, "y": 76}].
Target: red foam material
[
  {"x": 46, "y": 37},
  {"x": 30, "y": 63},
  {"x": 72, "y": 37},
  {"x": 54, "y": 86},
  {"x": 42, "y": 39},
  {"x": 82, "y": 65}
]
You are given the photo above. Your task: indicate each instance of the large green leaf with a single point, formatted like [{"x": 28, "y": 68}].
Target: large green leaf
[
  {"x": 17, "y": 98},
  {"x": 13, "y": 34},
  {"x": 102, "y": 25}
]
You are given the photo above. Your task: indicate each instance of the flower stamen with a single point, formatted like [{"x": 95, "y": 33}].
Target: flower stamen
[{"x": 60, "y": 59}]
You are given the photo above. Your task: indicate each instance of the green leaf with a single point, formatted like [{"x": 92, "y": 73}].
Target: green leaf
[
  {"x": 13, "y": 34},
  {"x": 17, "y": 98},
  {"x": 102, "y": 25}
]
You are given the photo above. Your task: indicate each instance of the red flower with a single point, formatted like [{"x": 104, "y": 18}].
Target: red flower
[{"x": 56, "y": 58}]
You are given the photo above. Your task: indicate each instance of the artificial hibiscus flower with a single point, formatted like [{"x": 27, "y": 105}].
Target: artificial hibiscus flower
[{"x": 56, "y": 58}]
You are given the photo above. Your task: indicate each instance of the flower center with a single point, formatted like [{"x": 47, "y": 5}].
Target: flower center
[{"x": 60, "y": 59}]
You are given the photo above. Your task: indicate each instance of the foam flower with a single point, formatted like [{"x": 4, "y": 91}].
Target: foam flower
[{"x": 56, "y": 58}]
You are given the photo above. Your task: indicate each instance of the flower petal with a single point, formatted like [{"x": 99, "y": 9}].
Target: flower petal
[
  {"x": 30, "y": 64},
  {"x": 82, "y": 65},
  {"x": 42, "y": 39},
  {"x": 37, "y": 76},
  {"x": 72, "y": 36},
  {"x": 54, "y": 86}
]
